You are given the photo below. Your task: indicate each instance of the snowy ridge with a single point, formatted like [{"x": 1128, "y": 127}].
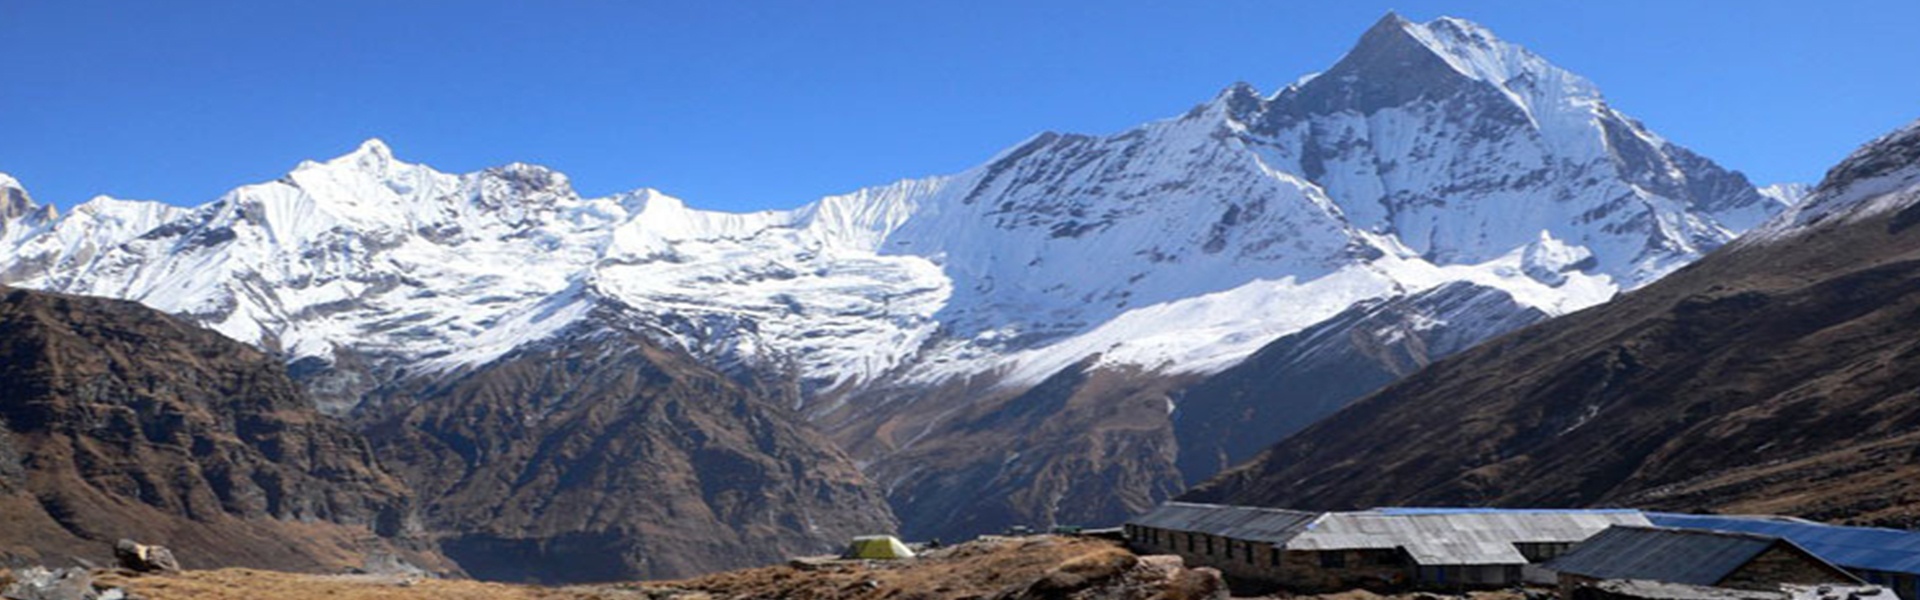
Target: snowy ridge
[
  {"x": 1548, "y": 93},
  {"x": 1433, "y": 153},
  {"x": 1881, "y": 176},
  {"x": 1787, "y": 194},
  {"x": 15, "y": 203}
]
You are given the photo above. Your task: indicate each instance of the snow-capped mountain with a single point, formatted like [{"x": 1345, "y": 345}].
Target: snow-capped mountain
[
  {"x": 1432, "y": 154},
  {"x": 1875, "y": 179},
  {"x": 14, "y": 201},
  {"x": 1763, "y": 378},
  {"x": 1787, "y": 194}
]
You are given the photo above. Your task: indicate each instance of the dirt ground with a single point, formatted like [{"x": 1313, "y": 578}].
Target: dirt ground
[
  {"x": 980, "y": 569},
  {"x": 238, "y": 584},
  {"x": 1029, "y": 568},
  {"x": 973, "y": 570}
]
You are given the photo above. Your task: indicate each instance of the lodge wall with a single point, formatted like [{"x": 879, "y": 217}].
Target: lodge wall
[
  {"x": 1261, "y": 564},
  {"x": 1782, "y": 564}
]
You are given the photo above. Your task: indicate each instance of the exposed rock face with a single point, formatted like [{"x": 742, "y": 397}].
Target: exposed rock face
[
  {"x": 603, "y": 456},
  {"x": 117, "y": 420},
  {"x": 1773, "y": 376},
  {"x": 14, "y": 201}
]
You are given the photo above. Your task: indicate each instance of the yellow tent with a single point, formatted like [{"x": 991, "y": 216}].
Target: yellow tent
[{"x": 877, "y": 546}]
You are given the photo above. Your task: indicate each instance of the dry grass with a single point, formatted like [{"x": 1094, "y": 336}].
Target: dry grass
[
  {"x": 248, "y": 584},
  {"x": 1041, "y": 567},
  {"x": 976, "y": 569}
]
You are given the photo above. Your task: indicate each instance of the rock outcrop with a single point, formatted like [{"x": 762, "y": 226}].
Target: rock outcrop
[
  {"x": 119, "y": 421},
  {"x": 143, "y": 558}
]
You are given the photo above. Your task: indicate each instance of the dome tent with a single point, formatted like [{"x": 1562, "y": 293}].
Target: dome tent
[{"x": 877, "y": 546}]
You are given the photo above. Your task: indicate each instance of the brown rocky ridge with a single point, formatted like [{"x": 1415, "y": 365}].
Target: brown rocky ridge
[
  {"x": 118, "y": 421},
  {"x": 604, "y": 456}
]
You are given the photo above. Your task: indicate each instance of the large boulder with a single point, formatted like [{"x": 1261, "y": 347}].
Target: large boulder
[{"x": 143, "y": 558}]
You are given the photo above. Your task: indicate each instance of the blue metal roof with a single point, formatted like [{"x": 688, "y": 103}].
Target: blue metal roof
[{"x": 1869, "y": 548}]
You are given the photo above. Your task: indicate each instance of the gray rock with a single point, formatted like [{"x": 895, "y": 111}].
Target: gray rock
[
  {"x": 144, "y": 558},
  {"x": 41, "y": 583},
  {"x": 387, "y": 563}
]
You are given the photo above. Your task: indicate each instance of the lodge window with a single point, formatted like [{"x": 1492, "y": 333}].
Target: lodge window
[
  {"x": 1229, "y": 549},
  {"x": 1189, "y": 542},
  {"x": 1209, "y": 540},
  {"x": 1250, "y": 547},
  {"x": 1333, "y": 560},
  {"x": 1273, "y": 554},
  {"x": 1539, "y": 552}
]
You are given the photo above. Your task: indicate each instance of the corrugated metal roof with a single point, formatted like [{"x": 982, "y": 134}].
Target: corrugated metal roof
[
  {"x": 1694, "y": 557},
  {"x": 1441, "y": 510},
  {"x": 1450, "y": 537},
  {"x": 1870, "y": 548},
  {"x": 1432, "y": 537},
  {"x": 1270, "y": 525}
]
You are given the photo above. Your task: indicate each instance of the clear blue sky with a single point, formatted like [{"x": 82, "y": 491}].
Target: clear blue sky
[{"x": 744, "y": 105}]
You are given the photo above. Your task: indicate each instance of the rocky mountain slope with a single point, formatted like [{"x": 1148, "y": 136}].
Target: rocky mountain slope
[
  {"x": 1286, "y": 386},
  {"x": 1052, "y": 302},
  {"x": 1772, "y": 376},
  {"x": 600, "y": 456},
  {"x": 119, "y": 421}
]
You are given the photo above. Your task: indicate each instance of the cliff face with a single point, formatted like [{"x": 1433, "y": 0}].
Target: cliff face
[
  {"x": 119, "y": 421},
  {"x": 604, "y": 456}
]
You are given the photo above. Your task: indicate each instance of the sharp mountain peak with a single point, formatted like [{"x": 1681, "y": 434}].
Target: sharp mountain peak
[
  {"x": 372, "y": 147},
  {"x": 14, "y": 200},
  {"x": 1398, "y": 61}
]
